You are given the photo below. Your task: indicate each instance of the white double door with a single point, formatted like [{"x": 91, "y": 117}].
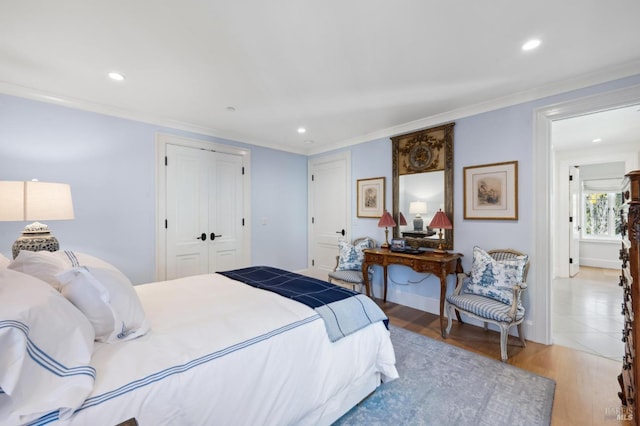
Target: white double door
[{"x": 204, "y": 217}]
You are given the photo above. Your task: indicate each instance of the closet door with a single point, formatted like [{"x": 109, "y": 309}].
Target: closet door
[{"x": 204, "y": 211}]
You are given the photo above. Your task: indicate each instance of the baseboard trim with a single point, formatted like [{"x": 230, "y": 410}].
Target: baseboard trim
[{"x": 600, "y": 263}]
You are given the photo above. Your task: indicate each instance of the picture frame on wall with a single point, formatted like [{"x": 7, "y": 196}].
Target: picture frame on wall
[
  {"x": 491, "y": 191},
  {"x": 371, "y": 197}
]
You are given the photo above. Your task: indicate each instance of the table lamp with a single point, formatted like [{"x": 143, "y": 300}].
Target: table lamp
[
  {"x": 440, "y": 221},
  {"x": 34, "y": 200},
  {"x": 385, "y": 222},
  {"x": 417, "y": 208},
  {"x": 401, "y": 219}
]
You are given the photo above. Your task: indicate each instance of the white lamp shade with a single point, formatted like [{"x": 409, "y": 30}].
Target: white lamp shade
[
  {"x": 417, "y": 207},
  {"x": 33, "y": 200},
  {"x": 11, "y": 201}
]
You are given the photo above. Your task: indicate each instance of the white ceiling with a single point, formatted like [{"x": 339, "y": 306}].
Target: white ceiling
[
  {"x": 348, "y": 71},
  {"x": 607, "y": 128}
]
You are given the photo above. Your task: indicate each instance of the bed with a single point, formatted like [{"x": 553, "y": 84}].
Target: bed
[{"x": 209, "y": 349}]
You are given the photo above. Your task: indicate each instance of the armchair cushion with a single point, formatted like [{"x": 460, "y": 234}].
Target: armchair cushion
[
  {"x": 352, "y": 277},
  {"x": 351, "y": 256},
  {"x": 495, "y": 278},
  {"x": 485, "y": 307}
]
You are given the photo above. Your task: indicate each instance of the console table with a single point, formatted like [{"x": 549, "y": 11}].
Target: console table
[{"x": 437, "y": 264}]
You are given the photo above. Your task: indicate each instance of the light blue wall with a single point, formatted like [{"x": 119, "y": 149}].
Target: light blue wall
[
  {"x": 110, "y": 164},
  {"x": 501, "y": 135},
  {"x": 279, "y": 209}
]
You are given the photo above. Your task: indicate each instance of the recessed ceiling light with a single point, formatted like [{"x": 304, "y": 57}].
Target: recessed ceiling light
[
  {"x": 596, "y": 140},
  {"x": 531, "y": 44},
  {"x": 301, "y": 130},
  {"x": 116, "y": 76}
]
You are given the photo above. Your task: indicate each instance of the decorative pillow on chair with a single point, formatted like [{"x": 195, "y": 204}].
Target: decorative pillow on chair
[
  {"x": 495, "y": 278},
  {"x": 351, "y": 256}
]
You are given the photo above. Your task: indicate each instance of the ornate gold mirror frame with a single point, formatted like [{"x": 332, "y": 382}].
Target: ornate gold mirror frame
[{"x": 422, "y": 165}]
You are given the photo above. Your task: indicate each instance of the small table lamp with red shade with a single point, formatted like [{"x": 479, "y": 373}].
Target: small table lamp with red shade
[
  {"x": 401, "y": 220},
  {"x": 385, "y": 222},
  {"x": 440, "y": 221}
]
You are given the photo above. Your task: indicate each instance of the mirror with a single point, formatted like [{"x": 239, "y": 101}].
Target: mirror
[{"x": 423, "y": 184}]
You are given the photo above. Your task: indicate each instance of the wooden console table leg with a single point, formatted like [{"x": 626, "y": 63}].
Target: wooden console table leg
[
  {"x": 384, "y": 268},
  {"x": 443, "y": 292},
  {"x": 365, "y": 278}
]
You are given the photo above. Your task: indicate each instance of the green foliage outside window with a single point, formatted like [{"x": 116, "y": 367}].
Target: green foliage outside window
[{"x": 602, "y": 214}]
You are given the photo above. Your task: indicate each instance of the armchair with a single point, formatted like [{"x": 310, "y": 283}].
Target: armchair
[
  {"x": 492, "y": 292},
  {"x": 348, "y": 269}
]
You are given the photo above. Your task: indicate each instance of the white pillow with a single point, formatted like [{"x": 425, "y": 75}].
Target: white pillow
[
  {"x": 4, "y": 261},
  {"x": 46, "y": 265},
  {"x": 40, "y": 264},
  {"x": 46, "y": 348},
  {"x": 107, "y": 298}
]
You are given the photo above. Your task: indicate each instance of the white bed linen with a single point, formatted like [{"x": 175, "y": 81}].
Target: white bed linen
[{"x": 224, "y": 353}]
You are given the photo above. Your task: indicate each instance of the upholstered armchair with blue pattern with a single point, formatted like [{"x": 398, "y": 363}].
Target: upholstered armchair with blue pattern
[
  {"x": 492, "y": 292},
  {"x": 348, "y": 269}
]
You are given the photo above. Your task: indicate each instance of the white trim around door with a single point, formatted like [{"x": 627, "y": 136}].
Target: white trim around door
[
  {"x": 164, "y": 139},
  {"x": 541, "y": 276}
]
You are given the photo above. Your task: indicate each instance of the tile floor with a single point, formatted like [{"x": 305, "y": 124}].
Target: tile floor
[{"x": 586, "y": 312}]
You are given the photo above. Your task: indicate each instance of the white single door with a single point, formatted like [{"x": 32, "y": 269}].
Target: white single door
[
  {"x": 204, "y": 211},
  {"x": 330, "y": 211},
  {"x": 575, "y": 220}
]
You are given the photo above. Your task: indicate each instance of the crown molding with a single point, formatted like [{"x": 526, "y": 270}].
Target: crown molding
[
  {"x": 579, "y": 82},
  {"x": 564, "y": 86}
]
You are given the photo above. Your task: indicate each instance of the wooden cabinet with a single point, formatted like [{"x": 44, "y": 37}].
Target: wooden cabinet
[{"x": 630, "y": 282}]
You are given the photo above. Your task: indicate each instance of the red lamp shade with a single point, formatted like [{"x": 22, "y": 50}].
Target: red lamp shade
[
  {"x": 440, "y": 221},
  {"x": 401, "y": 219},
  {"x": 386, "y": 220}
]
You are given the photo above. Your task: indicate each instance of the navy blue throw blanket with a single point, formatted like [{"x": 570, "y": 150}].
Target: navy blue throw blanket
[
  {"x": 309, "y": 291},
  {"x": 344, "y": 311}
]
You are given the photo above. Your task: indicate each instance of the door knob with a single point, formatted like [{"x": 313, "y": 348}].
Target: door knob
[
  {"x": 213, "y": 236},
  {"x": 341, "y": 232},
  {"x": 202, "y": 237}
]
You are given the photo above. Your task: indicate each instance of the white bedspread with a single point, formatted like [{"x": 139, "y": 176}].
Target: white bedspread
[{"x": 223, "y": 353}]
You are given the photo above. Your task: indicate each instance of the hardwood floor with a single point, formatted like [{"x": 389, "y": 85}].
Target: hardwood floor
[{"x": 586, "y": 384}]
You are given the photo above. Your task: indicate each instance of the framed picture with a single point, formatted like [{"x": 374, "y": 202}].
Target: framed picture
[
  {"x": 491, "y": 191},
  {"x": 371, "y": 197}
]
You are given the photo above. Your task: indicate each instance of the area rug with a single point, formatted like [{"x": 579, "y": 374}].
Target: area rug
[{"x": 441, "y": 384}]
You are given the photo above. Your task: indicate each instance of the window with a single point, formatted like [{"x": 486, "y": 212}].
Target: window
[{"x": 601, "y": 214}]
